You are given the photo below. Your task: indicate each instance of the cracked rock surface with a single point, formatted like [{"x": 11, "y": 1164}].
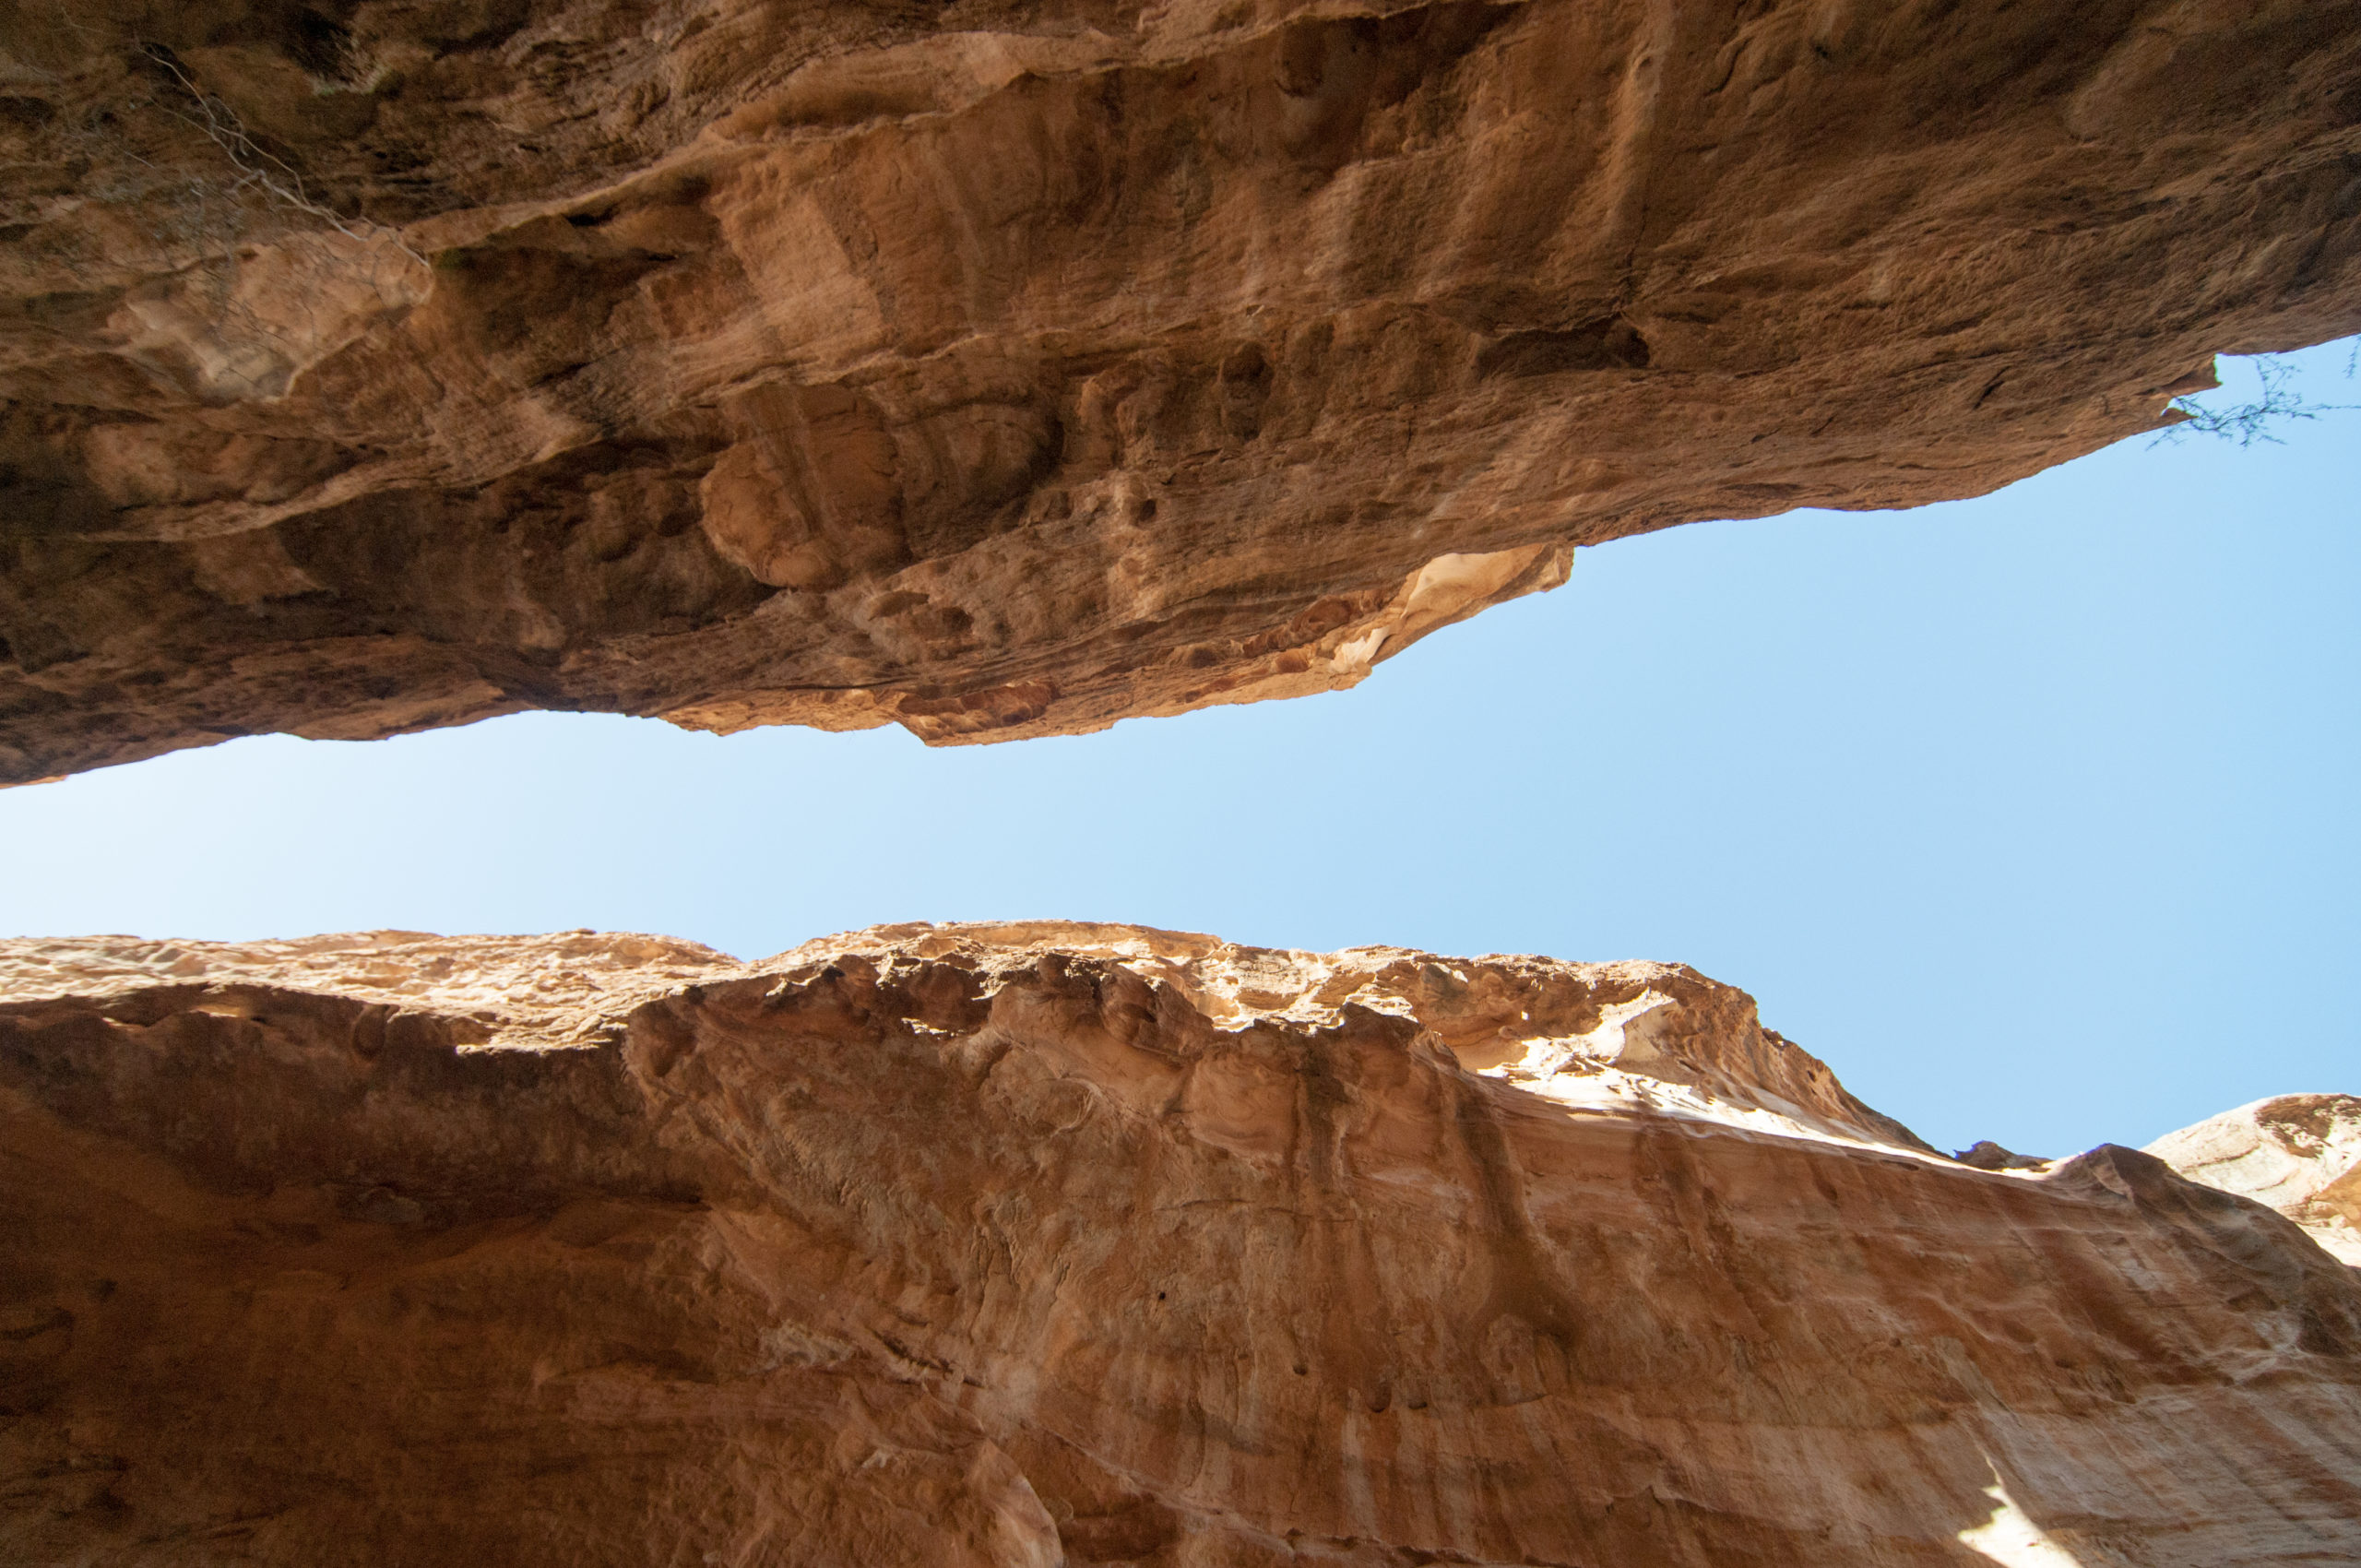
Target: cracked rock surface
[
  {"x": 1004, "y": 369},
  {"x": 1042, "y": 1244}
]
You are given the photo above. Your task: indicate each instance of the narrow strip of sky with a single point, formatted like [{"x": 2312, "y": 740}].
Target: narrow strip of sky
[{"x": 2032, "y": 814}]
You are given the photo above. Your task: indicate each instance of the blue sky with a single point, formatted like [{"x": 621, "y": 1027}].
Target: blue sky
[{"x": 2032, "y": 815}]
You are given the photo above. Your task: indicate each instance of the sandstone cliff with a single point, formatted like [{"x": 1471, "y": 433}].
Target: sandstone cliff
[
  {"x": 1002, "y": 369},
  {"x": 1039, "y": 1243},
  {"x": 2300, "y": 1153}
]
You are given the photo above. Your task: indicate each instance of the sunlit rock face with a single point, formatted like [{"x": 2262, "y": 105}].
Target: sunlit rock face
[
  {"x": 2300, "y": 1153},
  {"x": 1052, "y": 1243},
  {"x": 1002, "y": 369}
]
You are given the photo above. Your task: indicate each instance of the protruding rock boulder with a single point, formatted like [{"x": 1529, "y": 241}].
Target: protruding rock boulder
[
  {"x": 1004, "y": 369},
  {"x": 1027, "y": 1245},
  {"x": 1986, "y": 1155}
]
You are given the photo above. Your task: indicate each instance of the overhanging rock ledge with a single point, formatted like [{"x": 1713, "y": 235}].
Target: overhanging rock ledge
[{"x": 1004, "y": 369}]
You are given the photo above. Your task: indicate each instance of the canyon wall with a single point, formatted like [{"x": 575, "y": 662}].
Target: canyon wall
[
  {"x": 1002, "y": 369},
  {"x": 1030, "y": 1244}
]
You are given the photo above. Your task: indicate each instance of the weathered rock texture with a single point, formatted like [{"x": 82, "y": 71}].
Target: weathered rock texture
[
  {"x": 2300, "y": 1153},
  {"x": 1002, "y": 369},
  {"x": 1023, "y": 1244}
]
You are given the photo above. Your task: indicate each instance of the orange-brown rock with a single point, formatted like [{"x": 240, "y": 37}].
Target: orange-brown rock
[
  {"x": 1035, "y": 1244},
  {"x": 1002, "y": 369}
]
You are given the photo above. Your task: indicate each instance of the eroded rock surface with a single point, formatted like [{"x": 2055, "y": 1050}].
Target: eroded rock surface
[
  {"x": 1039, "y": 1243},
  {"x": 2300, "y": 1153},
  {"x": 1002, "y": 369}
]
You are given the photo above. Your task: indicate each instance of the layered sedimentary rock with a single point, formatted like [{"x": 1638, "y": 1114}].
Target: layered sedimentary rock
[
  {"x": 1002, "y": 369},
  {"x": 1031, "y": 1245},
  {"x": 2300, "y": 1153}
]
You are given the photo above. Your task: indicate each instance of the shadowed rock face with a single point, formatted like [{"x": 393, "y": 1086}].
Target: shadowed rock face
[
  {"x": 1004, "y": 370},
  {"x": 1042, "y": 1244}
]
